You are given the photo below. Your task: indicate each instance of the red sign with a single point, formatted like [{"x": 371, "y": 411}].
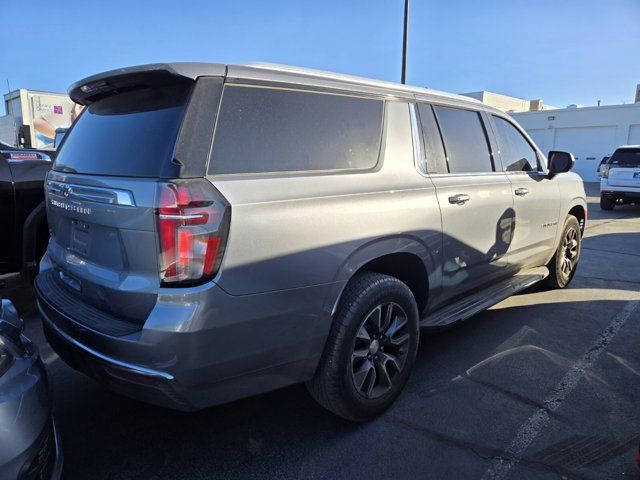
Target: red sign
[{"x": 23, "y": 156}]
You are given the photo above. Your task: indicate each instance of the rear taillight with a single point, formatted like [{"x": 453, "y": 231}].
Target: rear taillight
[
  {"x": 605, "y": 171},
  {"x": 193, "y": 224}
]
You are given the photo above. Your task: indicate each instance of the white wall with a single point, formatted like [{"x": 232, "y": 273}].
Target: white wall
[
  {"x": 589, "y": 133},
  {"x": 508, "y": 104},
  {"x": 8, "y": 130}
]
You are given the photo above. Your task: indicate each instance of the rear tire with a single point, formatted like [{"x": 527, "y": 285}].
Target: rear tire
[
  {"x": 370, "y": 350},
  {"x": 562, "y": 267},
  {"x": 607, "y": 203}
]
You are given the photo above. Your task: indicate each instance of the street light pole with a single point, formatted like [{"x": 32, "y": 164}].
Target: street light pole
[{"x": 405, "y": 41}]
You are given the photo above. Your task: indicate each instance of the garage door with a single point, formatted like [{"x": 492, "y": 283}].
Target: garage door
[
  {"x": 634, "y": 135},
  {"x": 588, "y": 145}
]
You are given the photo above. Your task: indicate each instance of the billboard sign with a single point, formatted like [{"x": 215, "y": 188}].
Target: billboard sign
[{"x": 48, "y": 112}]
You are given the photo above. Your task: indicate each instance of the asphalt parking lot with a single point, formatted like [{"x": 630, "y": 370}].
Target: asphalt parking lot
[{"x": 543, "y": 385}]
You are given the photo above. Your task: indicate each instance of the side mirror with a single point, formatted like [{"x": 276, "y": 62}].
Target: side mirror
[
  {"x": 560, "y": 162},
  {"x": 60, "y": 133}
]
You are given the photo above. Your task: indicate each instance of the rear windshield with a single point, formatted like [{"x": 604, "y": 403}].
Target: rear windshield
[
  {"x": 628, "y": 157},
  {"x": 128, "y": 134}
]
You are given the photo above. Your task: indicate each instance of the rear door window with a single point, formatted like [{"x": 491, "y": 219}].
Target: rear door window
[
  {"x": 129, "y": 134},
  {"x": 516, "y": 152},
  {"x": 263, "y": 130},
  {"x": 465, "y": 140}
]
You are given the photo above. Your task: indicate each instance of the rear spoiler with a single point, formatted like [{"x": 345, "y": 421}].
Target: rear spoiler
[{"x": 90, "y": 89}]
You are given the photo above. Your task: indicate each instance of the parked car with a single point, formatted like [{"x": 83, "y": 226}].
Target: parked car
[
  {"x": 307, "y": 240},
  {"x": 602, "y": 165},
  {"x": 22, "y": 209},
  {"x": 29, "y": 442},
  {"x": 620, "y": 182}
]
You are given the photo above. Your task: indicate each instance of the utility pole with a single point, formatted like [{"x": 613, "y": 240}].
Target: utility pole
[{"x": 405, "y": 41}]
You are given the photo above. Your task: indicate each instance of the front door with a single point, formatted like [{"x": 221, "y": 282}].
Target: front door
[{"x": 536, "y": 197}]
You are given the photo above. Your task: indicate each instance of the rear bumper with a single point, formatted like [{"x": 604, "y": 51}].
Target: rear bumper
[
  {"x": 152, "y": 386},
  {"x": 630, "y": 194},
  {"x": 622, "y": 194},
  {"x": 197, "y": 348}
]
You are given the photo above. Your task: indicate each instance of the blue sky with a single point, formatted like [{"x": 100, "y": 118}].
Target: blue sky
[{"x": 563, "y": 51}]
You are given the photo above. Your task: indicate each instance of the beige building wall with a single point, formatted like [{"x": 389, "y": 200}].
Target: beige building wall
[{"x": 508, "y": 104}]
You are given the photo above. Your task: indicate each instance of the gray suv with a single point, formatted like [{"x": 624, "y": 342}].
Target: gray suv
[{"x": 221, "y": 231}]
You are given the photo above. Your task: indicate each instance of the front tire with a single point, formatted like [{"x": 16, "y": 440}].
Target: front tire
[
  {"x": 370, "y": 350},
  {"x": 562, "y": 267},
  {"x": 607, "y": 203}
]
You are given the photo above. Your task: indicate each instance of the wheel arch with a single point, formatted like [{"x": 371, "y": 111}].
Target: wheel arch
[
  {"x": 406, "y": 258},
  {"x": 406, "y": 267},
  {"x": 580, "y": 212}
]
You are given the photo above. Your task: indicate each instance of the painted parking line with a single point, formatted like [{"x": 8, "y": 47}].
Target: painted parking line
[{"x": 533, "y": 426}]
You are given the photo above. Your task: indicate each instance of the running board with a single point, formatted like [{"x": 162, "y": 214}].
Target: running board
[{"x": 483, "y": 299}]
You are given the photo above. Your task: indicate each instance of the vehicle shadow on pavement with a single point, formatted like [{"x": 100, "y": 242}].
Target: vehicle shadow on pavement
[{"x": 513, "y": 356}]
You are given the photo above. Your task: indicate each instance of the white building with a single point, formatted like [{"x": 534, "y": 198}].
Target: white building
[
  {"x": 589, "y": 133},
  {"x": 32, "y": 117},
  {"x": 508, "y": 104}
]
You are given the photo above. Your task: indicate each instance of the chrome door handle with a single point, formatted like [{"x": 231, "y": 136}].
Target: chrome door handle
[
  {"x": 521, "y": 192},
  {"x": 459, "y": 199}
]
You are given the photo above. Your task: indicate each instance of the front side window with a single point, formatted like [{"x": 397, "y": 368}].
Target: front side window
[
  {"x": 263, "y": 130},
  {"x": 517, "y": 154},
  {"x": 464, "y": 140}
]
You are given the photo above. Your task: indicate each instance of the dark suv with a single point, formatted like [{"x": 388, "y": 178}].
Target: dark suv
[
  {"x": 220, "y": 231},
  {"x": 22, "y": 209}
]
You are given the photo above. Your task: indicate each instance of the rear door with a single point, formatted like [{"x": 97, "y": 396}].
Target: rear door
[
  {"x": 475, "y": 201},
  {"x": 624, "y": 168},
  {"x": 101, "y": 197},
  {"x": 536, "y": 197}
]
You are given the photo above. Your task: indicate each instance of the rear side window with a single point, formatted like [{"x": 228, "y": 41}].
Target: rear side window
[
  {"x": 517, "y": 154},
  {"x": 433, "y": 150},
  {"x": 128, "y": 134},
  {"x": 625, "y": 157},
  {"x": 264, "y": 130},
  {"x": 465, "y": 140}
]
